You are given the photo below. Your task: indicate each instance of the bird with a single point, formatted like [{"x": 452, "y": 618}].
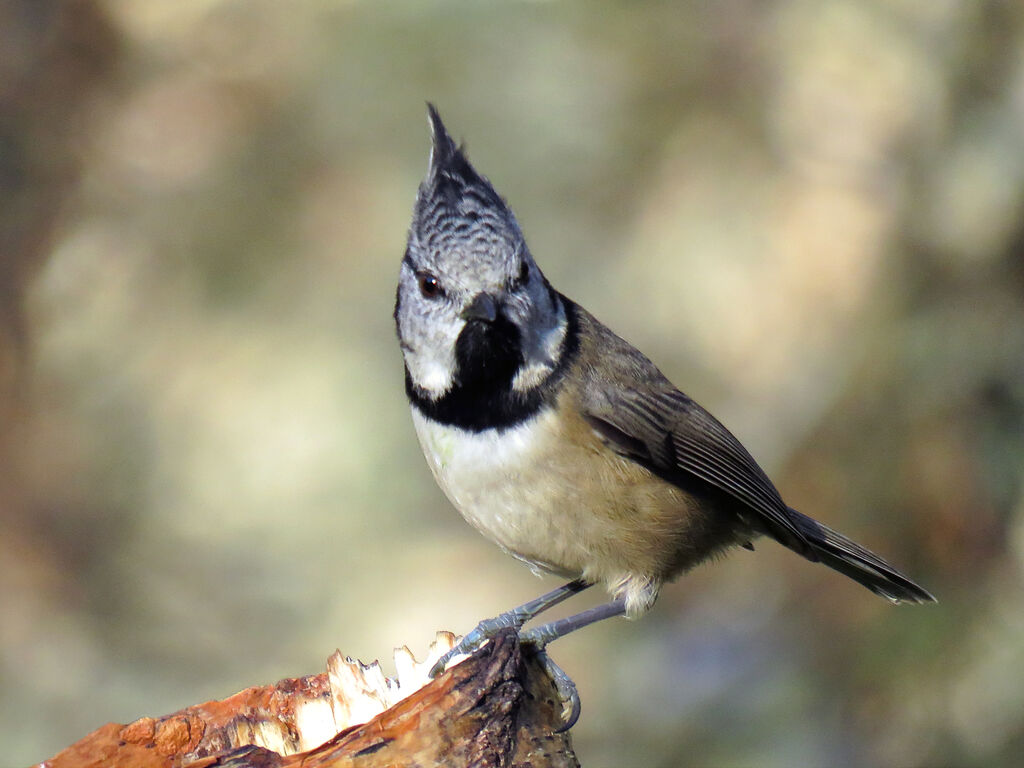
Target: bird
[{"x": 560, "y": 441}]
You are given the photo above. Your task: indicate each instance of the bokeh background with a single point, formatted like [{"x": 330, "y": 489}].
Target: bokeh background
[{"x": 809, "y": 214}]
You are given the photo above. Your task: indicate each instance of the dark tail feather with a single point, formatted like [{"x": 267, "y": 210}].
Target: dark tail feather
[{"x": 851, "y": 559}]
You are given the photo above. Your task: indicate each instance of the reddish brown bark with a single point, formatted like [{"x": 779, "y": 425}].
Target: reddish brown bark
[{"x": 497, "y": 708}]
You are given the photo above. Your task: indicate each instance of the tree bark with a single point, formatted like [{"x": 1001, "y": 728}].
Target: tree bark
[{"x": 498, "y": 708}]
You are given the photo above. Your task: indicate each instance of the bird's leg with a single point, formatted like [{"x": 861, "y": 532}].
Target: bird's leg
[
  {"x": 539, "y": 637},
  {"x": 515, "y": 618}
]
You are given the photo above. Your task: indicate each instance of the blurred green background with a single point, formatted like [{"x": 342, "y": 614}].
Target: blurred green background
[{"x": 809, "y": 214}]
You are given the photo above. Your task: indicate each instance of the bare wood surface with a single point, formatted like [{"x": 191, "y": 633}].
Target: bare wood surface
[{"x": 498, "y": 708}]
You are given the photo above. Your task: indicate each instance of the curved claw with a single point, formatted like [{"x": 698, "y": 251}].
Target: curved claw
[
  {"x": 563, "y": 683},
  {"x": 572, "y": 696},
  {"x": 464, "y": 647},
  {"x": 441, "y": 663},
  {"x": 475, "y": 639}
]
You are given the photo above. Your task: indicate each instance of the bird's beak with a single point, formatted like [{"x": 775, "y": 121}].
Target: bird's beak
[{"x": 483, "y": 307}]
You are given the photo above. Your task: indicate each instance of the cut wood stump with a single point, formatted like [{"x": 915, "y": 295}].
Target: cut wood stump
[{"x": 497, "y": 708}]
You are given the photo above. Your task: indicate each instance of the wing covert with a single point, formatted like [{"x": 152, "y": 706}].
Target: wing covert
[{"x": 669, "y": 433}]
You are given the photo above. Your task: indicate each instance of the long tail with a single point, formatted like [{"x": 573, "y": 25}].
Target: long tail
[{"x": 863, "y": 566}]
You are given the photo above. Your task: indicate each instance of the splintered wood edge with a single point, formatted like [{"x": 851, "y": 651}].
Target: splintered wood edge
[{"x": 325, "y": 718}]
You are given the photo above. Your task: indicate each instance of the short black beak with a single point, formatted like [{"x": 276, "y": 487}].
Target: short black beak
[{"x": 484, "y": 307}]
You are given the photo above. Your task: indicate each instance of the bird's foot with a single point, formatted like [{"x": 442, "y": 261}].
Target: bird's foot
[
  {"x": 480, "y": 634},
  {"x": 536, "y": 642}
]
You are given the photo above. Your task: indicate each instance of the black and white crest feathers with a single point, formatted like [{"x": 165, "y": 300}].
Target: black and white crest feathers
[
  {"x": 468, "y": 371},
  {"x": 455, "y": 199},
  {"x": 443, "y": 150}
]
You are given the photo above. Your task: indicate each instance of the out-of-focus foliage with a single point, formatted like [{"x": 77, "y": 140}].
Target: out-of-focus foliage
[{"x": 809, "y": 214}]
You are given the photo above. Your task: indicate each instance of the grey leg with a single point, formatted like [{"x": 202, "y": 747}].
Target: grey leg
[
  {"x": 518, "y": 616},
  {"x": 546, "y": 633},
  {"x": 539, "y": 637}
]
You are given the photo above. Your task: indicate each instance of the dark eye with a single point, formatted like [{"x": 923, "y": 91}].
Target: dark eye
[
  {"x": 522, "y": 277},
  {"x": 429, "y": 286}
]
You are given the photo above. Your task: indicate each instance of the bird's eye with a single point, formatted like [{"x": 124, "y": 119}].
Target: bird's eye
[
  {"x": 429, "y": 286},
  {"x": 522, "y": 277}
]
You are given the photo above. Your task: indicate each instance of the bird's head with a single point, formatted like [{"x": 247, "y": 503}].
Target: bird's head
[{"x": 473, "y": 309}]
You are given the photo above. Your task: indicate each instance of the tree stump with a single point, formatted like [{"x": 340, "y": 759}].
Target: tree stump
[{"x": 497, "y": 708}]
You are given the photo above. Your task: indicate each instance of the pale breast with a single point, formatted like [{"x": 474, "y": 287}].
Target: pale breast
[
  {"x": 550, "y": 493},
  {"x": 500, "y": 481}
]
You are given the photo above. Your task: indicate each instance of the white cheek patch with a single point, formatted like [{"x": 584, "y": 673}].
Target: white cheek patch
[
  {"x": 541, "y": 357},
  {"x": 531, "y": 375},
  {"x": 432, "y": 376},
  {"x": 432, "y": 371},
  {"x": 429, "y": 351}
]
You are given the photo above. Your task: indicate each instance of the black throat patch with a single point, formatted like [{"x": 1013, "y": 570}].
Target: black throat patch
[{"x": 488, "y": 356}]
